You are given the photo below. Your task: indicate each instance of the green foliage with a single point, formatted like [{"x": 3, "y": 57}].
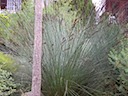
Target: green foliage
[
  {"x": 4, "y": 24},
  {"x": 20, "y": 40},
  {"x": 82, "y": 6},
  {"x": 7, "y": 85},
  {"x": 7, "y": 63},
  {"x": 72, "y": 11},
  {"x": 84, "y": 9},
  {"x": 21, "y": 28},
  {"x": 61, "y": 9},
  {"x": 119, "y": 58}
]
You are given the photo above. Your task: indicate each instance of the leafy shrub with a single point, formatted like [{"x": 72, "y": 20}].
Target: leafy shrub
[
  {"x": 7, "y": 84},
  {"x": 119, "y": 58}
]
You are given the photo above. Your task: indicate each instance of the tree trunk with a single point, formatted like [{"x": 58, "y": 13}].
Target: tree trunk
[
  {"x": 36, "y": 69},
  {"x": 37, "y": 52}
]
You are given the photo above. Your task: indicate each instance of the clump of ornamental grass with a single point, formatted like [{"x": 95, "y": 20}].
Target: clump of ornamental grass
[{"x": 75, "y": 60}]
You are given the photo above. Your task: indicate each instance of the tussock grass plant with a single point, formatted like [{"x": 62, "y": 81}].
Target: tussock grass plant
[{"x": 75, "y": 60}]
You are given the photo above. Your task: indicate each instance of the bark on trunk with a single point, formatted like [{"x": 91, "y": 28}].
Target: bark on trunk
[
  {"x": 37, "y": 52},
  {"x": 36, "y": 69}
]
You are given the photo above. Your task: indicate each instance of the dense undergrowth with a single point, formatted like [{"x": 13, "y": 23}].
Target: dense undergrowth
[
  {"x": 7, "y": 84},
  {"x": 7, "y": 68},
  {"x": 119, "y": 58},
  {"x": 75, "y": 57}
]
